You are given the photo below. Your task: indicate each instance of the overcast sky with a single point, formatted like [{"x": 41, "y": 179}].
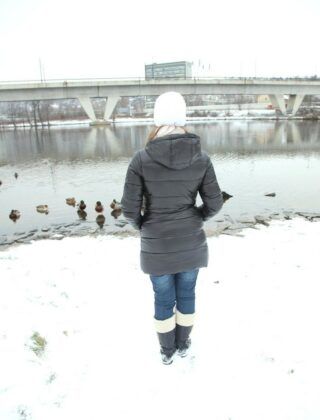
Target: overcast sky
[{"x": 76, "y": 39}]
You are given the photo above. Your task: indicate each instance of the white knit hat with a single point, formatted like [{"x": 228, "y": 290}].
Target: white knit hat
[{"x": 170, "y": 109}]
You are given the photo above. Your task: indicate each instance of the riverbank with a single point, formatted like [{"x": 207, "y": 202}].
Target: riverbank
[
  {"x": 68, "y": 348},
  {"x": 222, "y": 225},
  {"x": 312, "y": 114}
]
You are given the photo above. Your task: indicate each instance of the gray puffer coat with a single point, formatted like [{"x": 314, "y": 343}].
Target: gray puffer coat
[{"x": 168, "y": 174}]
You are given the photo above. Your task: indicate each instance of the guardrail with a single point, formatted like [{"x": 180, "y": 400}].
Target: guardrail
[{"x": 143, "y": 79}]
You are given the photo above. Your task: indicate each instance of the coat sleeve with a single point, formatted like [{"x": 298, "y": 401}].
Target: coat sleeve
[
  {"x": 131, "y": 201},
  {"x": 210, "y": 194}
]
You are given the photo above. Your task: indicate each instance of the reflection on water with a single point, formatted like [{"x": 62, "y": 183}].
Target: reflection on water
[
  {"x": 251, "y": 158},
  {"x": 71, "y": 144},
  {"x": 111, "y": 143}
]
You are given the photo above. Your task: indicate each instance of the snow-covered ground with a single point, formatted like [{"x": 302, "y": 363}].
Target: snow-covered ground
[{"x": 89, "y": 308}]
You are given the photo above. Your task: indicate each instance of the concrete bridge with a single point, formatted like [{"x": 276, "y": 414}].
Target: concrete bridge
[{"x": 113, "y": 89}]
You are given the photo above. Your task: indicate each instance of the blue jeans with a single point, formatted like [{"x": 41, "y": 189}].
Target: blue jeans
[{"x": 174, "y": 289}]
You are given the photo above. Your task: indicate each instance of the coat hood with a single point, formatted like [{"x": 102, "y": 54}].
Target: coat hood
[{"x": 175, "y": 151}]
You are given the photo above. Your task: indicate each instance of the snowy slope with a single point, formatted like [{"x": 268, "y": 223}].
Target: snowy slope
[{"x": 256, "y": 347}]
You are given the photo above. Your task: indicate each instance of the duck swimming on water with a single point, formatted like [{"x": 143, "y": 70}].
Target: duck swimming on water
[
  {"x": 71, "y": 201},
  {"x": 43, "y": 208},
  {"x": 14, "y": 215}
]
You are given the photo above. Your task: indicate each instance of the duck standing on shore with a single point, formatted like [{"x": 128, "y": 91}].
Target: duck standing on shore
[
  {"x": 99, "y": 207},
  {"x": 115, "y": 205},
  {"x": 225, "y": 196},
  {"x": 82, "y": 205}
]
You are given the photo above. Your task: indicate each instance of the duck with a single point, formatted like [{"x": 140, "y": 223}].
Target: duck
[
  {"x": 16, "y": 175},
  {"x": 0, "y": 183},
  {"x": 82, "y": 205},
  {"x": 226, "y": 196},
  {"x": 99, "y": 207},
  {"x": 71, "y": 201},
  {"x": 100, "y": 220},
  {"x": 14, "y": 215},
  {"x": 115, "y": 205},
  {"x": 42, "y": 208}
]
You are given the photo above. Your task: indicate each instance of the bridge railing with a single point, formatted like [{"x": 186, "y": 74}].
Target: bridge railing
[{"x": 143, "y": 79}]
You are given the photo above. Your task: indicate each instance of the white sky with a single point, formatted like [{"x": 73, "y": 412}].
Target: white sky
[{"x": 77, "y": 39}]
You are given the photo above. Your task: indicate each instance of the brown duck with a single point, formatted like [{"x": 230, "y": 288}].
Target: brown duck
[
  {"x": 42, "y": 208},
  {"x": 82, "y": 205},
  {"x": 71, "y": 201},
  {"x": 115, "y": 205},
  {"x": 14, "y": 215},
  {"x": 99, "y": 207}
]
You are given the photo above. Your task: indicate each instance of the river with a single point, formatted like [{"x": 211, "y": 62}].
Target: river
[{"x": 251, "y": 158}]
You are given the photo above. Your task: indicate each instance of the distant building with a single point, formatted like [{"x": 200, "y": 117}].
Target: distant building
[{"x": 176, "y": 70}]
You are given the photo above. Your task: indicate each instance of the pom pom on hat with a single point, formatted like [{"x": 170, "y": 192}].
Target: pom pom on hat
[{"x": 170, "y": 109}]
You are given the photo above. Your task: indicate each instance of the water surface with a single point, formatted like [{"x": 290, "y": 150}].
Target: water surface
[{"x": 251, "y": 158}]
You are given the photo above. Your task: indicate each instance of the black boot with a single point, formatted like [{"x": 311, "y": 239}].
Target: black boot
[
  {"x": 183, "y": 341},
  {"x": 167, "y": 344}
]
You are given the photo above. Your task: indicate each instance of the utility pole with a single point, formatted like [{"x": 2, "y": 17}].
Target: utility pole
[{"x": 41, "y": 69}]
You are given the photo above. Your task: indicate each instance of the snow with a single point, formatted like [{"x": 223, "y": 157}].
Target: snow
[
  {"x": 252, "y": 114},
  {"x": 255, "y": 351}
]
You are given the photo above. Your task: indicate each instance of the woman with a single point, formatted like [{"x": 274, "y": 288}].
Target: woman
[{"x": 168, "y": 173}]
